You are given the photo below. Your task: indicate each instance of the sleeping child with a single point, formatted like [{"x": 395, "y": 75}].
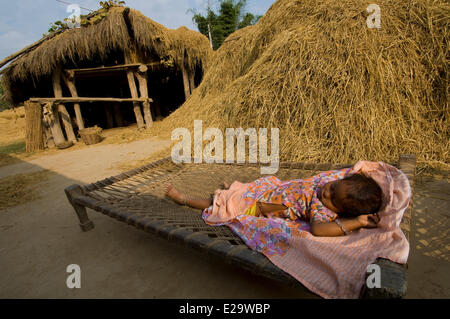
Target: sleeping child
[
  {"x": 335, "y": 203},
  {"x": 299, "y": 224}
]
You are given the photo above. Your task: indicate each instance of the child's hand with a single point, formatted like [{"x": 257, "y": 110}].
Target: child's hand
[{"x": 368, "y": 221}]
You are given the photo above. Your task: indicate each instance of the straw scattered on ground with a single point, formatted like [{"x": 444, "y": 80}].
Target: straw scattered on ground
[
  {"x": 126, "y": 166},
  {"x": 21, "y": 188},
  {"x": 12, "y": 138}
]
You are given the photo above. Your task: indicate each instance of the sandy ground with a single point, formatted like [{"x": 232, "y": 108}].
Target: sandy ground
[{"x": 40, "y": 238}]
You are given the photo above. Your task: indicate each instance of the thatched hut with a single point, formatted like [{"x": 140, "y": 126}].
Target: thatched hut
[{"x": 87, "y": 76}]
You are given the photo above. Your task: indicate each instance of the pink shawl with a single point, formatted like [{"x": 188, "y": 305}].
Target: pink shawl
[{"x": 335, "y": 267}]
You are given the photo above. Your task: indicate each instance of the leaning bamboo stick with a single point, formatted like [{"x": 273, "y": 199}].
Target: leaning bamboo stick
[
  {"x": 27, "y": 49},
  {"x": 71, "y": 73}
]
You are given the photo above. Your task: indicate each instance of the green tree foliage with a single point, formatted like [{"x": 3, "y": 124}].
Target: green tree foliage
[
  {"x": 231, "y": 17},
  {"x": 111, "y": 3},
  {"x": 104, "y": 7}
]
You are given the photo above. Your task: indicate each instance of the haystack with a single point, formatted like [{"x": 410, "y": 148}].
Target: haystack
[
  {"x": 337, "y": 90},
  {"x": 102, "y": 61}
]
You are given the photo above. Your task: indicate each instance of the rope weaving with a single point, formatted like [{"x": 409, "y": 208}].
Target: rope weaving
[{"x": 139, "y": 194}]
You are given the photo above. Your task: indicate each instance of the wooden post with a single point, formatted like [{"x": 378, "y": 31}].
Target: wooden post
[
  {"x": 109, "y": 116},
  {"x": 191, "y": 74},
  {"x": 70, "y": 82},
  {"x": 53, "y": 119},
  {"x": 58, "y": 100},
  {"x": 134, "y": 94},
  {"x": 48, "y": 137},
  {"x": 33, "y": 127},
  {"x": 117, "y": 114},
  {"x": 187, "y": 90},
  {"x": 157, "y": 109},
  {"x": 72, "y": 192},
  {"x": 141, "y": 75},
  {"x": 131, "y": 56},
  {"x": 61, "y": 108}
]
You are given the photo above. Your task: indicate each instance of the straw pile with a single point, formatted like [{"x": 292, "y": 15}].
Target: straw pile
[
  {"x": 189, "y": 47},
  {"x": 12, "y": 127},
  {"x": 337, "y": 90}
]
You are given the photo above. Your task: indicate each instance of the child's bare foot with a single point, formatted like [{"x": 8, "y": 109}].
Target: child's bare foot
[
  {"x": 174, "y": 194},
  {"x": 225, "y": 185}
]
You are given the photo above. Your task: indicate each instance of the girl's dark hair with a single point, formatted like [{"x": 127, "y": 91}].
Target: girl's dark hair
[{"x": 362, "y": 196}]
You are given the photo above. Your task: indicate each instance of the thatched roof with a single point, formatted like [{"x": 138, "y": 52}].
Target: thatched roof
[
  {"x": 337, "y": 90},
  {"x": 100, "y": 38}
]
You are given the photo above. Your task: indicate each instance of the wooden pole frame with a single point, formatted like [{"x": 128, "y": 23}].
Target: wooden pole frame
[
  {"x": 134, "y": 95},
  {"x": 57, "y": 90},
  {"x": 131, "y": 57},
  {"x": 70, "y": 83},
  {"x": 141, "y": 75},
  {"x": 58, "y": 100},
  {"x": 74, "y": 73}
]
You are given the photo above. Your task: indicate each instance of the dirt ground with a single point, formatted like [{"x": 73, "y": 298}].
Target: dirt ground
[{"x": 39, "y": 239}]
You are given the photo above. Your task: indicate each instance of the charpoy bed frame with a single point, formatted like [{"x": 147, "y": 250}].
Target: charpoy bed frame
[{"x": 137, "y": 198}]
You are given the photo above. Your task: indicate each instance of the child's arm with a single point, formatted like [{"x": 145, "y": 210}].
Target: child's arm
[
  {"x": 266, "y": 208},
  {"x": 331, "y": 229}
]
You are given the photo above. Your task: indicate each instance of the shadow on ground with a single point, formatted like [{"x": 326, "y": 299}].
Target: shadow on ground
[{"x": 39, "y": 239}]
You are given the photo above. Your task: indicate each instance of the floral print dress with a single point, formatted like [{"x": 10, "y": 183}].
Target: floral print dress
[{"x": 270, "y": 235}]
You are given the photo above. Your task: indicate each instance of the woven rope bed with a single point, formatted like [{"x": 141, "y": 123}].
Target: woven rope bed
[{"x": 137, "y": 198}]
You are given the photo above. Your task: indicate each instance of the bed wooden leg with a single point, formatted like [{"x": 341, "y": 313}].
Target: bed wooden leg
[{"x": 71, "y": 193}]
